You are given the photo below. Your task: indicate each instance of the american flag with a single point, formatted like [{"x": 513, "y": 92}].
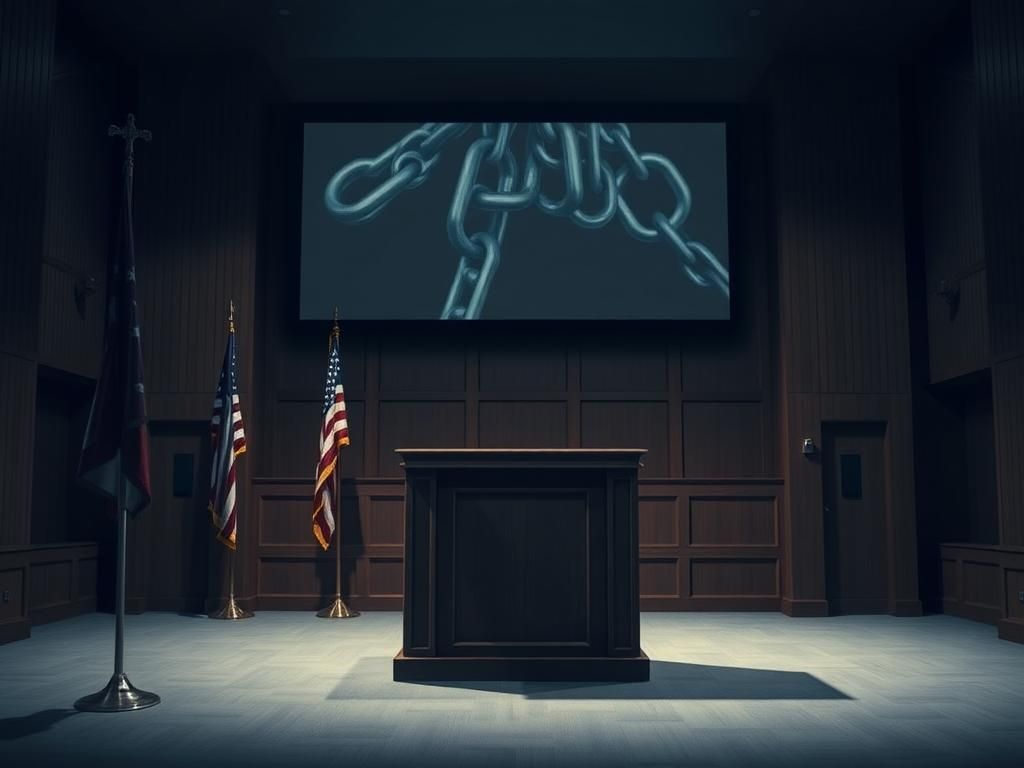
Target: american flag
[
  {"x": 116, "y": 445},
  {"x": 333, "y": 435},
  {"x": 228, "y": 444}
]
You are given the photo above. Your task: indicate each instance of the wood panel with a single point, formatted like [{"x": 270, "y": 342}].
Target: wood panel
[
  {"x": 624, "y": 362},
  {"x": 529, "y": 368},
  {"x": 985, "y": 583},
  {"x": 1008, "y": 415},
  {"x": 1014, "y": 590},
  {"x": 711, "y": 531},
  {"x": 659, "y": 521},
  {"x": 659, "y": 579},
  {"x": 293, "y": 572},
  {"x": 980, "y": 583},
  {"x": 734, "y": 577},
  {"x": 523, "y": 424},
  {"x": 44, "y": 583},
  {"x": 629, "y": 425},
  {"x": 414, "y": 366},
  {"x": 417, "y": 425},
  {"x": 17, "y": 408},
  {"x": 742, "y": 521},
  {"x": 293, "y": 446},
  {"x": 723, "y": 440}
]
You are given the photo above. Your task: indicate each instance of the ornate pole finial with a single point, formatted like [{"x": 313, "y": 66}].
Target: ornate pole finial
[
  {"x": 129, "y": 133},
  {"x": 231, "y": 316}
]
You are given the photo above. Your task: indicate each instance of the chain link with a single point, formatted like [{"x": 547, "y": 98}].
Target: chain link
[{"x": 586, "y": 173}]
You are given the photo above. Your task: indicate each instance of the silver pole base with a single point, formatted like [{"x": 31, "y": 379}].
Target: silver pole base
[
  {"x": 231, "y": 611},
  {"x": 119, "y": 696},
  {"x": 337, "y": 610}
]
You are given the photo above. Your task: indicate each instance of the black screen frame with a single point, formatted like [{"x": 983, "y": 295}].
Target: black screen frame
[{"x": 297, "y": 115}]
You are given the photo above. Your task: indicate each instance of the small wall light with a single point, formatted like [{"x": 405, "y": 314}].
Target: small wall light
[{"x": 809, "y": 447}]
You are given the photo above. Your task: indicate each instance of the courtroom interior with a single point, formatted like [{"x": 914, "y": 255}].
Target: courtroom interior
[{"x": 686, "y": 431}]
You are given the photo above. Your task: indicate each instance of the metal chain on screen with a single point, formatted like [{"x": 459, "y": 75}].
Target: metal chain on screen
[{"x": 595, "y": 161}]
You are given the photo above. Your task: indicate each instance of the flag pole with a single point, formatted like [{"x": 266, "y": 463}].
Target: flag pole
[
  {"x": 231, "y": 610},
  {"x": 337, "y": 609},
  {"x": 120, "y": 695}
]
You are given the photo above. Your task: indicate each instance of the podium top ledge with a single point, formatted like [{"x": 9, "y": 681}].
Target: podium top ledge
[{"x": 537, "y": 457}]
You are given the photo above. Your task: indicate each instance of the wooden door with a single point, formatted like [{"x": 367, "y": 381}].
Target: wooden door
[
  {"x": 856, "y": 550},
  {"x": 180, "y": 530}
]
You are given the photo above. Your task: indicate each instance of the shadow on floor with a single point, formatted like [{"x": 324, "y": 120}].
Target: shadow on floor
[
  {"x": 16, "y": 727},
  {"x": 370, "y": 678}
]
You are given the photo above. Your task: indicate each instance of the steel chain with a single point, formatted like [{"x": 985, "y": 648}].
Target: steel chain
[{"x": 586, "y": 173}]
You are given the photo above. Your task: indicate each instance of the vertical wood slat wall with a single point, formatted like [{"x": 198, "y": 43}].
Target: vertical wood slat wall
[
  {"x": 998, "y": 42},
  {"x": 843, "y": 311},
  {"x": 26, "y": 57}
]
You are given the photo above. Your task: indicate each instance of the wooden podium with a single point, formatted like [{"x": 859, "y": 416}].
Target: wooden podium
[{"x": 521, "y": 564}]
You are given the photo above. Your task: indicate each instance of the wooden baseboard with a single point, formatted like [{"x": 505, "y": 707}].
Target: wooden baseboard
[
  {"x": 804, "y": 608},
  {"x": 176, "y": 604},
  {"x": 55, "y": 612},
  {"x": 135, "y": 605},
  {"x": 1012, "y": 630},
  {"x": 907, "y": 608},
  {"x": 989, "y": 614},
  {"x": 16, "y": 629}
]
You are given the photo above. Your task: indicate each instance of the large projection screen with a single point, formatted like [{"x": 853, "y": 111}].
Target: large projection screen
[{"x": 515, "y": 221}]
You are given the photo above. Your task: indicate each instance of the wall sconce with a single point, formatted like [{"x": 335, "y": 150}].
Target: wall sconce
[{"x": 809, "y": 447}]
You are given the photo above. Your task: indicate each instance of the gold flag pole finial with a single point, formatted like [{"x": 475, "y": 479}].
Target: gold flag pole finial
[{"x": 231, "y": 316}]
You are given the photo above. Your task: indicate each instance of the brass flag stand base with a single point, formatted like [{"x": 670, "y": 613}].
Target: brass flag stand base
[
  {"x": 337, "y": 610},
  {"x": 231, "y": 610},
  {"x": 119, "y": 695}
]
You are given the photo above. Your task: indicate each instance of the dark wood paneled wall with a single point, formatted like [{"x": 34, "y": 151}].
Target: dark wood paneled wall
[
  {"x": 731, "y": 512},
  {"x": 700, "y": 397},
  {"x": 26, "y": 59},
  {"x": 999, "y": 62},
  {"x": 88, "y": 89},
  {"x": 197, "y": 207},
  {"x": 843, "y": 304},
  {"x": 985, "y": 583},
  {"x": 944, "y": 149},
  {"x": 44, "y": 584}
]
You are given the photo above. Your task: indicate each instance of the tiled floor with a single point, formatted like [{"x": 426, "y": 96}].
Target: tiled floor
[{"x": 726, "y": 689}]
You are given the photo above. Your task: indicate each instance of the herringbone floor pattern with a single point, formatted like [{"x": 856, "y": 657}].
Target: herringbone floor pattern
[{"x": 726, "y": 690}]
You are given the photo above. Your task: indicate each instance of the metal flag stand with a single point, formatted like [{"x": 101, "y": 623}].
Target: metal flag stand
[
  {"x": 337, "y": 609},
  {"x": 231, "y": 610},
  {"x": 120, "y": 695}
]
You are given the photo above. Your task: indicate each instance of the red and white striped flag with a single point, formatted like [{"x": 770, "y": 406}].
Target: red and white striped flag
[
  {"x": 333, "y": 435},
  {"x": 228, "y": 444}
]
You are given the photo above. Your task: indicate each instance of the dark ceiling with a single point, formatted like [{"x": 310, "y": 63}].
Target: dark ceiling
[{"x": 322, "y": 50}]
